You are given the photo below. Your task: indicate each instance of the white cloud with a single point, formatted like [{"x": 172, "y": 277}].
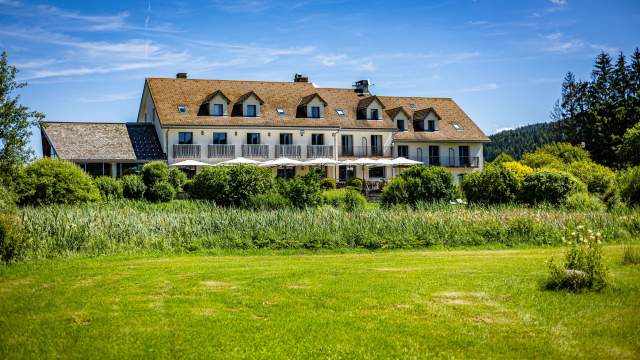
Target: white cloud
[
  {"x": 109, "y": 22},
  {"x": 478, "y": 22},
  {"x": 111, "y": 97},
  {"x": 332, "y": 60},
  {"x": 12, "y": 3},
  {"x": 560, "y": 43},
  {"x": 504, "y": 129},
  {"x": 559, "y": 2}
]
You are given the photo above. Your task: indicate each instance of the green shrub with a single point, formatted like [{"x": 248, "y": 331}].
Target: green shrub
[
  {"x": 154, "y": 172},
  {"x": 566, "y": 152},
  {"x": 160, "y": 192},
  {"x": 110, "y": 188},
  {"x": 186, "y": 186},
  {"x": 133, "y": 187},
  {"x": 347, "y": 199},
  {"x": 328, "y": 184},
  {"x": 493, "y": 185},
  {"x": 232, "y": 186},
  {"x": 583, "y": 267},
  {"x": 503, "y": 157},
  {"x": 269, "y": 201},
  {"x": 541, "y": 159},
  {"x": 582, "y": 201},
  {"x": 356, "y": 183},
  {"x": 549, "y": 186},
  {"x": 7, "y": 199},
  {"x": 629, "y": 185},
  {"x": 177, "y": 178},
  {"x": 419, "y": 184},
  {"x": 517, "y": 169},
  {"x": 631, "y": 255},
  {"x": 599, "y": 179},
  {"x": 55, "y": 181},
  {"x": 13, "y": 237},
  {"x": 629, "y": 151},
  {"x": 303, "y": 190}
]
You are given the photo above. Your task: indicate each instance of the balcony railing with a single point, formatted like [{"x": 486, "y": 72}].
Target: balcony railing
[
  {"x": 319, "y": 151},
  {"x": 221, "y": 151},
  {"x": 366, "y": 151},
  {"x": 455, "y": 161},
  {"x": 255, "y": 151},
  {"x": 186, "y": 151},
  {"x": 288, "y": 151}
]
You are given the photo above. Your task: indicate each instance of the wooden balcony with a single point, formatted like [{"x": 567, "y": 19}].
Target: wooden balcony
[{"x": 186, "y": 151}]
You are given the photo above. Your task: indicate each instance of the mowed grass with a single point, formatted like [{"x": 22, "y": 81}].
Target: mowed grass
[{"x": 395, "y": 304}]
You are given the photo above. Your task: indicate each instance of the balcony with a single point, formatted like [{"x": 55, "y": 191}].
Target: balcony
[
  {"x": 455, "y": 161},
  {"x": 219, "y": 151},
  {"x": 255, "y": 151},
  {"x": 319, "y": 151},
  {"x": 289, "y": 151},
  {"x": 366, "y": 151},
  {"x": 186, "y": 151}
]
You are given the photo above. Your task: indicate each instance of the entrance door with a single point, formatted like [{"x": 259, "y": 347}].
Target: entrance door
[{"x": 346, "y": 173}]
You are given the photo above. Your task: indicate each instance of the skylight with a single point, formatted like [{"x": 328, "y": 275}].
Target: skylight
[
  {"x": 412, "y": 106},
  {"x": 281, "y": 111},
  {"x": 182, "y": 108},
  {"x": 457, "y": 126},
  {"x": 340, "y": 112}
]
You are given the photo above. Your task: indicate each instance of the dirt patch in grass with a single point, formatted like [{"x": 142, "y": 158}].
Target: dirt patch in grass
[
  {"x": 216, "y": 284},
  {"x": 459, "y": 298},
  {"x": 297, "y": 286},
  {"x": 396, "y": 269},
  {"x": 204, "y": 311},
  {"x": 404, "y": 306}
]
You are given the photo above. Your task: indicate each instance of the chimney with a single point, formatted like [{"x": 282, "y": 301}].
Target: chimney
[
  {"x": 181, "y": 75},
  {"x": 361, "y": 87},
  {"x": 300, "y": 78}
]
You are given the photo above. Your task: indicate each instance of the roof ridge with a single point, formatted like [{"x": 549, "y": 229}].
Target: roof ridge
[
  {"x": 89, "y": 122},
  {"x": 230, "y": 80}
]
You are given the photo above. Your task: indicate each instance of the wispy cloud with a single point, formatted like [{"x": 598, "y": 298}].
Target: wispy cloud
[
  {"x": 108, "y": 22},
  {"x": 360, "y": 63},
  {"x": 110, "y": 97},
  {"x": 560, "y": 43},
  {"x": 480, "y": 88},
  {"x": 13, "y": 3}
]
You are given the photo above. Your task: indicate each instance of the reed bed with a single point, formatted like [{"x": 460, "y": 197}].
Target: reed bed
[{"x": 188, "y": 226}]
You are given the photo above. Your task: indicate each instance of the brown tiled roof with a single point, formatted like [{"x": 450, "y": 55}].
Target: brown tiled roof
[
  {"x": 167, "y": 93},
  {"x": 214, "y": 94},
  {"x": 103, "y": 141},
  {"x": 395, "y": 111},
  {"x": 423, "y": 113},
  {"x": 244, "y": 97}
]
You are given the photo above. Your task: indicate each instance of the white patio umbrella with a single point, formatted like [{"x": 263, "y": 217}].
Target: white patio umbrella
[
  {"x": 190, "y": 163},
  {"x": 239, "y": 161},
  {"x": 321, "y": 162},
  {"x": 283, "y": 161},
  {"x": 402, "y": 161}
]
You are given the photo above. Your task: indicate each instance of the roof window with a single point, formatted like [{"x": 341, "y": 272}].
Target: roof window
[
  {"x": 457, "y": 126},
  {"x": 340, "y": 112},
  {"x": 182, "y": 109},
  {"x": 412, "y": 106},
  {"x": 281, "y": 111}
]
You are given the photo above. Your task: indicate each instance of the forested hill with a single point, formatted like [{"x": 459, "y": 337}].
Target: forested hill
[{"x": 521, "y": 140}]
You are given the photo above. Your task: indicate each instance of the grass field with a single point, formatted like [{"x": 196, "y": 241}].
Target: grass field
[{"x": 392, "y": 304}]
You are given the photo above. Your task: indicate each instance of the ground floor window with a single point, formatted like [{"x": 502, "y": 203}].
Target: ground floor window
[
  {"x": 346, "y": 173},
  {"x": 287, "y": 173},
  {"x": 97, "y": 169},
  {"x": 403, "y": 151},
  {"x": 376, "y": 172},
  {"x": 128, "y": 169}
]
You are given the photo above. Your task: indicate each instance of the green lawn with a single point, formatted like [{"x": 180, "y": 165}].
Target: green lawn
[{"x": 397, "y": 304}]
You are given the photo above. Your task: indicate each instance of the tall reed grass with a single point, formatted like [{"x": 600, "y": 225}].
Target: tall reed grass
[{"x": 186, "y": 226}]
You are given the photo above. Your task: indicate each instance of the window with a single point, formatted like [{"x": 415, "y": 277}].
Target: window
[
  {"x": 253, "y": 138},
  {"x": 185, "y": 138},
  {"x": 346, "y": 173},
  {"x": 182, "y": 109},
  {"x": 340, "y": 112},
  {"x": 463, "y": 155},
  {"x": 347, "y": 145},
  {"x": 286, "y": 172},
  {"x": 315, "y": 112},
  {"x": 376, "y": 145},
  {"x": 460, "y": 178},
  {"x": 317, "y": 139},
  {"x": 403, "y": 151},
  {"x": 434, "y": 155},
  {"x": 218, "y": 110},
  {"x": 376, "y": 172},
  {"x": 251, "y": 111},
  {"x": 412, "y": 106},
  {"x": 374, "y": 114},
  {"x": 286, "y": 139},
  {"x": 219, "y": 138},
  {"x": 401, "y": 125},
  {"x": 280, "y": 111},
  {"x": 457, "y": 126},
  {"x": 431, "y": 125}
]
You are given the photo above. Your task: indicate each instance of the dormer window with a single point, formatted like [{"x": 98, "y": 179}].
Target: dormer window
[
  {"x": 251, "y": 111},
  {"x": 315, "y": 112},
  {"x": 182, "y": 109},
  {"x": 218, "y": 110},
  {"x": 431, "y": 125},
  {"x": 369, "y": 108},
  {"x": 401, "y": 124},
  {"x": 374, "y": 114}
]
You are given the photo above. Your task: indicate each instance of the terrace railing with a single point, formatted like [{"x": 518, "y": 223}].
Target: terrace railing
[
  {"x": 255, "y": 151},
  {"x": 369, "y": 151},
  {"x": 288, "y": 151},
  {"x": 186, "y": 151},
  {"x": 220, "y": 151},
  {"x": 319, "y": 151},
  {"x": 456, "y": 161}
]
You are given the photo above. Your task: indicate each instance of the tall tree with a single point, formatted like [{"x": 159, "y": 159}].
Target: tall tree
[{"x": 15, "y": 123}]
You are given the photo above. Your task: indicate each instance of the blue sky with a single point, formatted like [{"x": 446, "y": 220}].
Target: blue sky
[{"x": 503, "y": 62}]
